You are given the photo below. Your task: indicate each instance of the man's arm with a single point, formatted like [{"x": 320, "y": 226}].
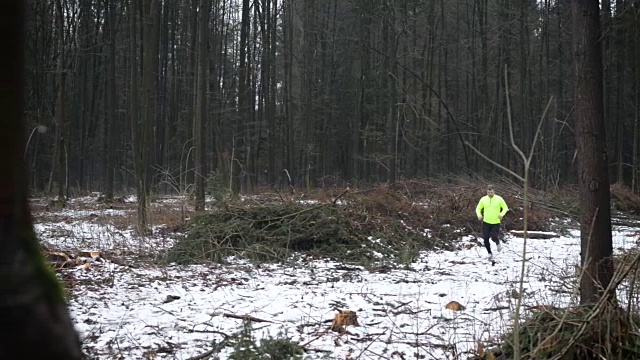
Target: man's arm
[
  {"x": 504, "y": 207},
  {"x": 479, "y": 208}
]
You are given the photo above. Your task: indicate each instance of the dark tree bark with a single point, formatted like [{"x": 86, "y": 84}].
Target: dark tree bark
[
  {"x": 134, "y": 113},
  {"x": 635, "y": 153},
  {"x": 60, "y": 114},
  {"x": 240, "y": 136},
  {"x": 35, "y": 321},
  {"x": 111, "y": 102},
  {"x": 593, "y": 177},
  {"x": 270, "y": 96},
  {"x": 201, "y": 103},
  {"x": 144, "y": 102},
  {"x": 292, "y": 35}
]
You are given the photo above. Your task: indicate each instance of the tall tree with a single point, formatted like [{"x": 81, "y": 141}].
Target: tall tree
[
  {"x": 635, "y": 154},
  {"x": 35, "y": 321},
  {"x": 144, "y": 99},
  {"x": 240, "y": 136},
  {"x": 111, "y": 101},
  {"x": 593, "y": 176},
  {"x": 201, "y": 102},
  {"x": 60, "y": 114}
]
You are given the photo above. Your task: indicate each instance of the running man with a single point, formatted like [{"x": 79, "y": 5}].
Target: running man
[{"x": 490, "y": 210}]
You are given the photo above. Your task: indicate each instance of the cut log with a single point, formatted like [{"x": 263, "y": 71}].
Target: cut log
[{"x": 342, "y": 319}]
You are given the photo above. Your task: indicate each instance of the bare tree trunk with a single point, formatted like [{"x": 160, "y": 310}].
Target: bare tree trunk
[
  {"x": 135, "y": 117},
  {"x": 61, "y": 133},
  {"x": 635, "y": 155},
  {"x": 618, "y": 119},
  {"x": 191, "y": 84},
  {"x": 607, "y": 64},
  {"x": 133, "y": 77},
  {"x": 240, "y": 136},
  {"x": 593, "y": 176},
  {"x": 35, "y": 321},
  {"x": 201, "y": 103},
  {"x": 271, "y": 99},
  {"x": 293, "y": 29},
  {"x": 143, "y": 102},
  {"x": 111, "y": 102}
]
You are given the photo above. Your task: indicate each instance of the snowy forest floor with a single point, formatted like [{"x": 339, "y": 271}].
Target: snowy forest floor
[{"x": 129, "y": 304}]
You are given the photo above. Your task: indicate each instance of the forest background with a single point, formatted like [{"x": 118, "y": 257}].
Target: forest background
[
  {"x": 241, "y": 96},
  {"x": 188, "y": 95}
]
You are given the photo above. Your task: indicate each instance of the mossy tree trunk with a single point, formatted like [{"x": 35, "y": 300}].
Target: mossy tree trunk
[{"x": 35, "y": 321}]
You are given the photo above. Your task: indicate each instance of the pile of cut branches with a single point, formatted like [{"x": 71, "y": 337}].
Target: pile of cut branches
[
  {"x": 271, "y": 232},
  {"x": 624, "y": 199},
  {"x": 369, "y": 227},
  {"x": 387, "y": 223}
]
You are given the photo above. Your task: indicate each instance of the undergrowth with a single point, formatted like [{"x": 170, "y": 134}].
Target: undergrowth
[
  {"x": 244, "y": 345},
  {"x": 247, "y": 347},
  {"x": 576, "y": 333},
  {"x": 388, "y": 224}
]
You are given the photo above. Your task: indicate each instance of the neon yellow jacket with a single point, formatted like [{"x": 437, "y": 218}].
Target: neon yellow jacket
[{"x": 492, "y": 208}]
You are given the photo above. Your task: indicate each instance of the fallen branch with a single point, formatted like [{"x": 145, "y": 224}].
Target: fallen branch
[
  {"x": 204, "y": 355},
  {"x": 339, "y": 196},
  {"x": 497, "y": 308},
  {"x": 535, "y": 234},
  {"x": 246, "y": 317}
]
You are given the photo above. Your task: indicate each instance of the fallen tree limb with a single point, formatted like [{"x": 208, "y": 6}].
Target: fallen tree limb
[
  {"x": 535, "y": 234},
  {"x": 246, "y": 317}
]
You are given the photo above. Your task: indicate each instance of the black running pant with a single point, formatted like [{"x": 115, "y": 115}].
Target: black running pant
[{"x": 490, "y": 231}]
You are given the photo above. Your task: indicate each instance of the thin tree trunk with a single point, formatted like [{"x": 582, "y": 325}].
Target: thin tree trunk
[
  {"x": 607, "y": 63},
  {"x": 60, "y": 114},
  {"x": 288, "y": 86},
  {"x": 389, "y": 32},
  {"x": 135, "y": 116},
  {"x": 271, "y": 99},
  {"x": 111, "y": 102},
  {"x": 201, "y": 103},
  {"x": 240, "y": 135},
  {"x": 190, "y": 93},
  {"x": 143, "y": 115},
  {"x": 635, "y": 155}
]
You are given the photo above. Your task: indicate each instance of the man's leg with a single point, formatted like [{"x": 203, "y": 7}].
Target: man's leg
[
  {"x": 486, "y": 234},
  {"x": 494, "y": 232}
]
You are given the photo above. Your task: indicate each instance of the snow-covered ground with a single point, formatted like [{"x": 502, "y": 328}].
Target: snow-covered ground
[{"x": 139, "y": 310}]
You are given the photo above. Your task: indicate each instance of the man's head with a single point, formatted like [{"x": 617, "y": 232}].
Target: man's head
[{"x": 490, "y": 190}]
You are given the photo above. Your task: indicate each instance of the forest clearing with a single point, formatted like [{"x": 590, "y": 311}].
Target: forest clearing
[{"x": 128, "y": 301}]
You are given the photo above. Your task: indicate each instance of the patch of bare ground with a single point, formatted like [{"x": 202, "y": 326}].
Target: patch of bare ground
[{"x": 121, "y": 213}]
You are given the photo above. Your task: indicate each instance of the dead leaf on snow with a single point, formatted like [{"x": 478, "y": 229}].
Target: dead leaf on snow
[{"x": 455, "y": 306}]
